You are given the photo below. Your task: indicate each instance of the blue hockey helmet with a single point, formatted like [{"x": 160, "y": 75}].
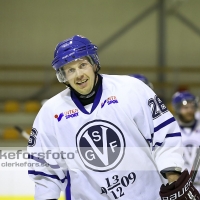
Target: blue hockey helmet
[
  {"x": 143, "y": 79},
  {"x": 182, "y": 98},
  {"x": 71, "y": 49}
]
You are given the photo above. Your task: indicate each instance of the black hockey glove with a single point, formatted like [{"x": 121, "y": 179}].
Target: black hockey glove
[{"x": 182, "y": 189}]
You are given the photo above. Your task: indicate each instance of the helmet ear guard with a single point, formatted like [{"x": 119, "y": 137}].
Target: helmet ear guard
[{"x": 60, "y": 74}]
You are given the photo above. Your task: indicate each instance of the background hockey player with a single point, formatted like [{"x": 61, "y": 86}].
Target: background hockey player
[
  {"x": 185, "y": 105},
  {"x": 143, "y": 78},
  {"x": 105, "y": 137}
]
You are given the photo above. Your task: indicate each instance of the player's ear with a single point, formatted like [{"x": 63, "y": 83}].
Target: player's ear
[{"x": 94, "y": 67}]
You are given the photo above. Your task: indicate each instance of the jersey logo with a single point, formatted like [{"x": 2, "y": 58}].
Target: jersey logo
[
  {"x": 100, "y": 145},
  {"x": 109, "y": 100},
  {"x": 68, "y": 114}
]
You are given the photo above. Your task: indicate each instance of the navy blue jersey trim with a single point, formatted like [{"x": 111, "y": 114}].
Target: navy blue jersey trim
[
  {"x": 42, "y": 161},
  {"x": 158, "y": 144},
  {"x": 173, "y": 135},
  {"x": 47, "y": 175},
  {"x": 178, "y": 134},
  {"x": 151, "y": 140},
  {"x": 165, "y": 123},
  {"x": 68, "y": 188}
]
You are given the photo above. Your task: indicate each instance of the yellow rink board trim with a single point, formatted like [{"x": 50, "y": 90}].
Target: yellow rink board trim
[{"x": 22, "y": 198}]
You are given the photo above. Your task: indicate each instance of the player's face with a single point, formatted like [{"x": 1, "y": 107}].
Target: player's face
[
  {"x": 80, "y": 75},
  {"x": 187, "y": 112}
]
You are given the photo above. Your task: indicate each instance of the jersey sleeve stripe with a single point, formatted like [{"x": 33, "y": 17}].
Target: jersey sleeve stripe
[
  {"x": 47, "y": 175},
  {"x": 151, "y": 140},
  {"x": 42, "y": 161},
  {"x": 68, "y": 188},
  {"x": 173, "y": 135},
  {"x": 178, "y": 134},
  {"x": 158, "y": 144},
  {"x": 165, "y": 123}
]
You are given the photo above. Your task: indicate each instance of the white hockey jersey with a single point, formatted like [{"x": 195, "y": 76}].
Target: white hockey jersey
[
  {"x": 191, "y": 141},
  {"x": 111, "y": 149},
  {"x": 197, "y": 115}
]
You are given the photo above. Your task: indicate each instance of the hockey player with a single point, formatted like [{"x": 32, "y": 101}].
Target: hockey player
[
  {"x": 104, "y": 137},
  {"x": 185, "y": 105},
  {"x": 197, "y": 115},
  {"x": 143, "y": 78}
]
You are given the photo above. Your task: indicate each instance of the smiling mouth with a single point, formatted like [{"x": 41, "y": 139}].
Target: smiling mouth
[{"x": 82, "y": 82}]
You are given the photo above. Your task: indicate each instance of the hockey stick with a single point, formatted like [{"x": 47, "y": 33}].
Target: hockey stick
[
  {"x": 22, "y": 132},
  {"x": 195, "y": 166}
]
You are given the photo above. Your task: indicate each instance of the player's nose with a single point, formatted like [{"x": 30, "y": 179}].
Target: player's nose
[{"x": 79, "y": 74}]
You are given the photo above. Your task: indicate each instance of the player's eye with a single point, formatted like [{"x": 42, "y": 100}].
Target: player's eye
[
  {"x": 71, "y": 70},
  {"x": 84, "y": 64}
]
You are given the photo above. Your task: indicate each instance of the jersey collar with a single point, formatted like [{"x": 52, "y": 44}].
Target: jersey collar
[{"x": 192, "y": 126}]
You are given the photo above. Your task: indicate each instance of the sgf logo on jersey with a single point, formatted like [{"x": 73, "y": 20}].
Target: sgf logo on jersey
[{"x": 100, "y": 145}]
